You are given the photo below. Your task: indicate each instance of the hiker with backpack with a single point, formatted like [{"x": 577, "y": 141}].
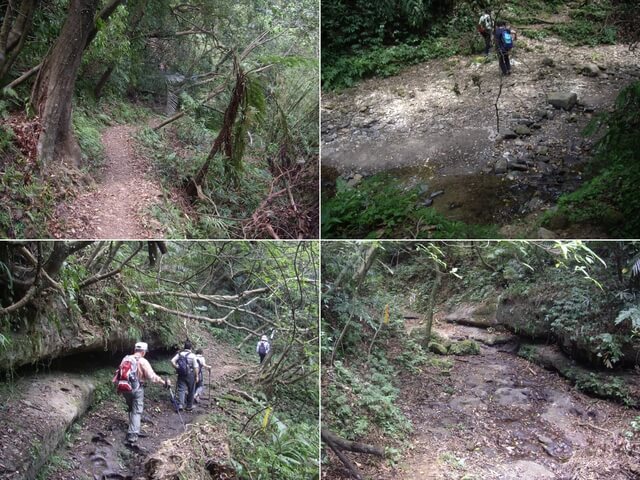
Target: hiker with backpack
[
  {"x": 504, "y": 43},
  {"x": 202, "y": 364},
  {"x": 186, "y": 367},
  {"x": 485, "y": 27},
  {"x": 132, "y": 374},
  {"x": 263, "y": 347}
]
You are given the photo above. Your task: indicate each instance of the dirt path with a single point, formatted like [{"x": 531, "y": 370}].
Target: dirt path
[
  {"x": 117, "y": 207},
  {"x": 434, "y": 125},
  {"x": 97, "y": 450},
  {"x": 497, "y": 416}
]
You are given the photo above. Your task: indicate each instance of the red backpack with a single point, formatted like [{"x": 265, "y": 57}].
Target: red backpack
[{"x": 126, "y": 377}]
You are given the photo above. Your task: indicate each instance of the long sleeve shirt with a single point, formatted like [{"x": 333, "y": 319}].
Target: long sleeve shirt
[
  {"x": 266, "y": 344},
  {"x": 145, "y": 371}
]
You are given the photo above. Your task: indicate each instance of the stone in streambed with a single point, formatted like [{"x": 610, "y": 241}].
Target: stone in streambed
[{"x": 564, "y": 100}]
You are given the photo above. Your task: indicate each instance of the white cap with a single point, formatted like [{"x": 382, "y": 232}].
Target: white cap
[
  {"x": 141, "y": 346},
  {"x": 264, "y": 338}
]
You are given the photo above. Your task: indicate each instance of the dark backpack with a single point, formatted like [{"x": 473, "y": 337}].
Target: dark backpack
[
  {"x": 262, "y": 348},
  {"x": 507, "y": 40},
  {"x": 183, "y": 365},
  {"x": 126, "y": 378}
]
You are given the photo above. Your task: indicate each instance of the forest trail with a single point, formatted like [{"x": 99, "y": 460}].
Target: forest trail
[
  {"x": 117, "y": 208},
  {"x": 498, "y": 416},
  {"x": 434, "y": 125},
  {"x": 95, "y": 447}
]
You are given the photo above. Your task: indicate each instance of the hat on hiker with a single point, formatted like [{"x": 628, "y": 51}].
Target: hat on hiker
[
  {"x": 264, "y": 338},
  {"x": 141, "y": 346}
]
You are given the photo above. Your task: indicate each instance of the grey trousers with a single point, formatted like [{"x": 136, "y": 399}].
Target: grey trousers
[
  {"x": 135, "y": 405},
  {"x": 186, "y": 387}
]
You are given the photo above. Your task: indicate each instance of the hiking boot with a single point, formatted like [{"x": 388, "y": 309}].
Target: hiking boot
[
  {"x": 189, "y": 409},
  {"x": 142, "y": 435},
  {"x": 131, "y": 438}
]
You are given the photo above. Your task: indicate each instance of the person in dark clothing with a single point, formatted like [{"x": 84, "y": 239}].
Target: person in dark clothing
[
  {"x": 504, "y": 43},
  {"x": 186, "y": 366},
  {"x": 263, "y": 347}
]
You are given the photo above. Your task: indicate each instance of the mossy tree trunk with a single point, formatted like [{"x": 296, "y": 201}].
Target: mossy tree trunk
[
  {"x": 437, "y": 281},
  {"x": 53, "y": 90}
]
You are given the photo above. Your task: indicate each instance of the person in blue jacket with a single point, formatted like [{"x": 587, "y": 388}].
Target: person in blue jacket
[{"x": 504, "y": 40}]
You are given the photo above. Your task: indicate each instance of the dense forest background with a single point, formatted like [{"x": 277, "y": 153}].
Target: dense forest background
[
  {"x": 222, "y": 101},
  {"x": 69, "y": 311},
  {"x": 373, "y": 40},
  {"x": 413, "y": 334}
]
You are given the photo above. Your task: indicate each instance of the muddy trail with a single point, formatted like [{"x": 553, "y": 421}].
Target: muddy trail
[
  {"x": 434, "y": 126},
  {"x": 117, "y": 207},
  {"x": 94, "y": 446},
  {"x": 498, "y": 416}
]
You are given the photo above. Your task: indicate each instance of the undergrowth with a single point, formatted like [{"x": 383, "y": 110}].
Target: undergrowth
[
  {"x": 379, "y": 208},
  {"x": 609, "y": 199},
  {"x": 178, "y": 151}
]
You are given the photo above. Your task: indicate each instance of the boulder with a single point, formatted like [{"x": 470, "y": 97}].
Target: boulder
[
  {"x": 548, "y": 62},
  {"x": 564, "y": 100},
  {"x": 509, "y": 135},
  {"x": 546, "y": 234},
  {"x": 354, "y": 181},
  {"x": 475, "y": 315},
  {"x": 522, "y": 130},
  {"x": 501, "y": 166},
  {"x": 465, "y": 347},
  {"x": 590, "y": 70}
]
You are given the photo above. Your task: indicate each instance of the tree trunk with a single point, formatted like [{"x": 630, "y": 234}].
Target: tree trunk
[
  {"x": 369, "y": 257},
  {"x": 97, "y": 92},
  {"x": 432, "y": 306},
  {"x": 52, "y": 93},
  {"x": 13, "y": 32}
]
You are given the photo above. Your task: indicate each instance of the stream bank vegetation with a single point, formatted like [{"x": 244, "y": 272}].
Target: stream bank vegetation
[
  {"x": 223, "y": 96},
  {"x": 479, "y": 360},
  {"x": 69, "y": 311}
]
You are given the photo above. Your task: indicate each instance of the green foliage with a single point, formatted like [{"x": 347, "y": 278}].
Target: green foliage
[
  {"x": 286, "y": 452},
  {"x": 360, "y": 402},
  {"x": 378, "y": 207},
  {"x": 87, "y": 127},
  {"x": 588, "y": 25},
  {"x": 606, "y": 387},
  {"x": 344, "y": 71},
  {"x": 610, "y": 199}
]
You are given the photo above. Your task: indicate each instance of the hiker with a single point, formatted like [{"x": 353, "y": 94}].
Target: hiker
[
  {"x": 263, "y": 347},
  {"x": 485, "y": 27},
  {"x": 202, "y": 364},
  {"x": 504, "y": 42},
  {"x": 185, "y": 364},
  {"x": 130, "y": 378}
]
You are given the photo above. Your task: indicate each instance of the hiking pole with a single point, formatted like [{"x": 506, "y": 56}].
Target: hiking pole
[
  {"x": 209, "y": 390},
  {"x": 174, "y": 402}
]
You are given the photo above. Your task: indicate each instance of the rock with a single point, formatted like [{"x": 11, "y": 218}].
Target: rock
[
  {"x": 565, "y": 100},
  {"x": 590, "y": 70},
  {"x": 529, "y": 470},
  {"x": 501, "y": 166},
  {"x": 548, "y": 62},
  {"x": 519, "y": 166},
  {"x": 542, "y": 150},
  {"x": 428, "y": 202},
  {"x": 465, "y": 347},
  {"x": 438, "y": 348},
  {"x": 536, "y": 203},
  {"x": 543, "y": 233},
  {"x": 354, "y": 181},
  {"x": 522, "y": 130},
  {"x": 436, "y": 194},
  {"x": 509, "y": 134},
  {"x": 475, "y": 315},
  {"x": 423, "y": 188}
]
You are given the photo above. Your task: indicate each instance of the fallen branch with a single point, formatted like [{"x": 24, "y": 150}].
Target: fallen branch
[{"x": 338, "y": 444}]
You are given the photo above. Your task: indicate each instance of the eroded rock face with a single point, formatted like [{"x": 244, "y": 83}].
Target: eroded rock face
[
  {"x": 36, "y": 417},
  {"x": 476, "y": 315}
]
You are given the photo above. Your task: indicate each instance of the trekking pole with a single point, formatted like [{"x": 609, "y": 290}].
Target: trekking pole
[
  {"x": 174, "y": 402},
  {"x": 209, "y": 389}
]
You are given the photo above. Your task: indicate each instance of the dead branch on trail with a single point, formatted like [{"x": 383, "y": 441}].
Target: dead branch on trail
[
  {"x": 338, "y": 444},
  {"x": 290, "y": 210}
]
